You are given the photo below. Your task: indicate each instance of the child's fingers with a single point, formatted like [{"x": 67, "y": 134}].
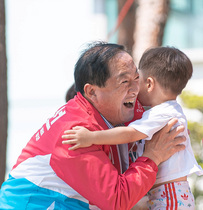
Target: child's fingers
[
  {"x": 68, "y": 136},
  {"x": 69, "y": 142},
  {"x": 74, "y": 147},
  {"x": 69, "y": 132},
  {"x": 77, "y": 127},
  {"x": 73, "y": 130}
]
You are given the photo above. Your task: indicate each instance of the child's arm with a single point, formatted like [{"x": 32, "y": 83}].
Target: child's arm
[{"x": 82, "y": 137}]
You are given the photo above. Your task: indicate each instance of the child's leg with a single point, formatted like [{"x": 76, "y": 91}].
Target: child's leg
[{"x": 175, "y": 195}]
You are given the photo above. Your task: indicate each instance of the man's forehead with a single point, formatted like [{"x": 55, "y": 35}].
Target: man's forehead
[
  {"x": 127, "y": 73},
  {"x": 124, "y": 59},
  {"x": 124, "y": 70},
  {"x": 122, "y": 67}
]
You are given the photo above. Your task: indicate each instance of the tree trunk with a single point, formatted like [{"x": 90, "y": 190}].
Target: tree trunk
[
  {"x": 151, "y": 17},
  {"x": 3, "y": 94},
  {"x": 127, "y": 27}
]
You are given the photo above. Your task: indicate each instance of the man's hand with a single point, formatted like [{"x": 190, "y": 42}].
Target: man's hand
[{"x": 164, "y": 143}]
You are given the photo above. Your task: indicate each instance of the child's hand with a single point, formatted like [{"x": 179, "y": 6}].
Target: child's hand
[{"x": 79, "y": 136}]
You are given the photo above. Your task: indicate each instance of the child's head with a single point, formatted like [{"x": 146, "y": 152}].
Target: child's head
[{"x": 169, "y": 66}]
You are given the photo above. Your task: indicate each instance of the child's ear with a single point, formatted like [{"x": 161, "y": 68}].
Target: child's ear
[
  {"x": 89, "y": 91},
  {"x": 150, "y": 84}
]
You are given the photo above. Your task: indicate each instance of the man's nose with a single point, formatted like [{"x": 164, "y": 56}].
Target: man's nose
[{"x": 134, "y": 87}]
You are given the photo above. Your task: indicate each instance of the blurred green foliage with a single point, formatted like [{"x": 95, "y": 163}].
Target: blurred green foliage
[{"x": 193, "y": 101}]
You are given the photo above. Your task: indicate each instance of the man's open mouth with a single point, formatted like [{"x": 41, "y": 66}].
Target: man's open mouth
[{"x": 129, "y": 104}]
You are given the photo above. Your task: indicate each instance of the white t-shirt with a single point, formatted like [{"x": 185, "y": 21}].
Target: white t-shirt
[{"x": 182, "y": 163}]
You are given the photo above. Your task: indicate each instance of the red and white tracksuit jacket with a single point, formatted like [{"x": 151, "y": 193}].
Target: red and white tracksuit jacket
[{"x": 49, "y": 176}]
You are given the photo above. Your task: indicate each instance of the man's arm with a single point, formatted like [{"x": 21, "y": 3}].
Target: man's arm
[
  {"x": 90, "y": 172},
  {"x": 82, "y": 137}
]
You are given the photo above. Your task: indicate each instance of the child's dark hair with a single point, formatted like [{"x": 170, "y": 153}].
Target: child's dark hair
[{"x": 169, "y": 66}]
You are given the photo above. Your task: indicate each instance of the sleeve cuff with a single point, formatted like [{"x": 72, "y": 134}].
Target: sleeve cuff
[{"x": 148, "y": 161}]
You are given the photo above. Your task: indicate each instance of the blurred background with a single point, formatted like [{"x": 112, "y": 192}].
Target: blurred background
[{"x": 40, "y": 41}]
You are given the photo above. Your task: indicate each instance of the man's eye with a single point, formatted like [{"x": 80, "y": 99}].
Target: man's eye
[
  {"x": 125, "y": 81},
  {"x": 136, "y": 78}
]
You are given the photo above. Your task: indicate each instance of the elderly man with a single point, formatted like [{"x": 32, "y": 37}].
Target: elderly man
[{"x": 49, "y": 176}]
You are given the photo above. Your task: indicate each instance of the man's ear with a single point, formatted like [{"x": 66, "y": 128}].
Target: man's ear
[
  {"x": 89, "y": 91},
  {"x": 150, "y": 84}
]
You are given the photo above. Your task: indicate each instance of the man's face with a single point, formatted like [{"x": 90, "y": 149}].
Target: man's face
[{"x": 116, "y": 100}]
